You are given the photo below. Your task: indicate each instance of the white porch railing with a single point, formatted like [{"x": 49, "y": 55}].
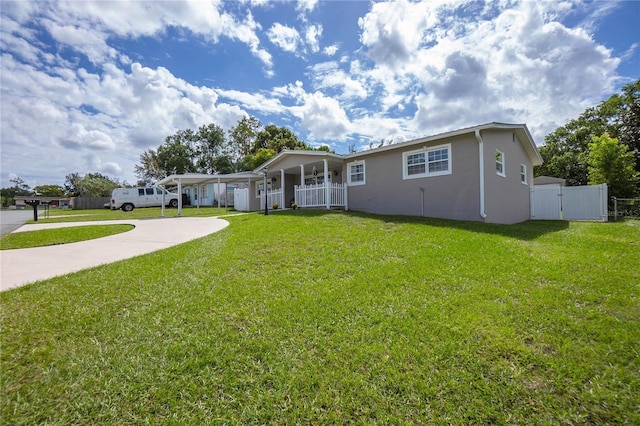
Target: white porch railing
[
  {"x": 273, "y": 196},
  {"x": 316, "y": 195}
]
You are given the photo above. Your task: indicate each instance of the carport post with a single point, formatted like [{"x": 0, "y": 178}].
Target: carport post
[
  {"x": 219, "y": 195},
  {"x": 163, "y": 201},
  {"x": 179, "y": 197}
]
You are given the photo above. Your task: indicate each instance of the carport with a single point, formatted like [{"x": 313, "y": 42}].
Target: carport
[{"x": 197, "y": 179}]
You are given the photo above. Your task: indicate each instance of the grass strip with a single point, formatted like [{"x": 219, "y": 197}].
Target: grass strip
[{"x": 49, "y": 237}]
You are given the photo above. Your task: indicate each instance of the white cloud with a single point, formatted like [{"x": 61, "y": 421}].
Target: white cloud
[
  {"x": 312, "y": 37},
  {"x": 514, "y": 62},
  {"x": 328, "y": 75},
  {"x": 87, "y": 25},
  {"x": 322, "y": 117},
  {"x": 330, "y": 50},
  {"x": 287, "y": 38}
]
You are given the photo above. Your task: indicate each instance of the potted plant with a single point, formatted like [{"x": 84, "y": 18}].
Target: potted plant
[{"x": 274, "y": 206}]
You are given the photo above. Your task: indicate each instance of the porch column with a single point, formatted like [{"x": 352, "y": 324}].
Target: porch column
[
  {"x": 282, "y": 204},
  {"x": 301, "y": 174},
  {"x": 327, "y": 186}
]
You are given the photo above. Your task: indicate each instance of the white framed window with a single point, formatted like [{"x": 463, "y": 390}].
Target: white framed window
[
  {"x": 356, "y": 173},
  {"x": 427, "y": 162},
  {"x": 500, "y": 163},
  {"x": 523, "y": 174}
]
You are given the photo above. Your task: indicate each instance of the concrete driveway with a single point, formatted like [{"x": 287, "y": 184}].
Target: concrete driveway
[{"x": 23, "y": 266}]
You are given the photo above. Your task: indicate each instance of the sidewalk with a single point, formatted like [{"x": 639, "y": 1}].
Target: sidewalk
[{"x": 23, "y": 266}]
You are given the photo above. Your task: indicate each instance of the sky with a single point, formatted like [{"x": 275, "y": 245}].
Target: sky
[{"x": 87, "y": 86}]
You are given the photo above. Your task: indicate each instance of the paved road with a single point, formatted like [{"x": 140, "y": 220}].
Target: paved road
[
  {"x": 23, "y": 266},
  {"x": 10, "y": 220}
]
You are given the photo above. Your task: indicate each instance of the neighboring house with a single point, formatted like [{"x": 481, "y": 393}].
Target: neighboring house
[
  {"x": 548, "y": 180},
  {"x": 63, "y": 202},
  {"x": 481, "y": 173}
]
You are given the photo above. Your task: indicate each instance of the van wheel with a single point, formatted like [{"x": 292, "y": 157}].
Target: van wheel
[
  {"x": 173, "y": 203},
  {"x": 128, "y": 207}
]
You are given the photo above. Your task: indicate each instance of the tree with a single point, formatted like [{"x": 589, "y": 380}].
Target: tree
[
  {"x": 277, "y": 139},
  {"x": 176, "y": 156},
  {"x": 91, "y": 185},
  {"x": 211, "y": 151},
  {"x": 566, "y": 150},
  {"x": 252, "y": 161},
  {"x": 19, "y": 188},
  {"x": 49, "y": 190},
  {"x": 611, "y": 162},
  {"x": 148, "y": 171},
  {"x": 243, "y": 135},
  {"x": 629, "y": 120}
]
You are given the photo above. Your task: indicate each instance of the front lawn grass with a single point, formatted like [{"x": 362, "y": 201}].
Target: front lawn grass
[
  {"x": 328, "y": 318},
  {"x": 50, "y": 237},
  {"x": 69, "y": 215}
]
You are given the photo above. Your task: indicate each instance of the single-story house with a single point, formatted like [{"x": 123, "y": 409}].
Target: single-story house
[{"x": 482, "y": 173}]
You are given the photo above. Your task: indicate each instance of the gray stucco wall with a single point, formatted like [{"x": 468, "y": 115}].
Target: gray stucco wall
[
  {"x": 507, "y": 200},
  {"x": 454, "y": 196}
]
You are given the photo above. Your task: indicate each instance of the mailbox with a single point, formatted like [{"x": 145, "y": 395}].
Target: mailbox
[{"x": 34, "y": 204}]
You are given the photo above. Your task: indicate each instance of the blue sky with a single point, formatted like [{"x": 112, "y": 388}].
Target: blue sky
[{"x": 87, "y": 86}]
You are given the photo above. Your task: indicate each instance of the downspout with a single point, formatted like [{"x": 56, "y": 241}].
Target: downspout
[{"x": 483, "y": 214}]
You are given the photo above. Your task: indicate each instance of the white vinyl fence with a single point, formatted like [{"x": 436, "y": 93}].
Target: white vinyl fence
[
  {"x": 274, "y": 196},
  {"x": 550, "y": 202},
  {"x": 316, "y": 195},
  {"x": 241, "y": 199}
]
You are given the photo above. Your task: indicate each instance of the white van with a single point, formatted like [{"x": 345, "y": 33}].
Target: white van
[{"x": 129, "y": 198}]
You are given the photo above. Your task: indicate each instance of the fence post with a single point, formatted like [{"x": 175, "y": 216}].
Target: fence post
[{"x": 615, "y": 209}]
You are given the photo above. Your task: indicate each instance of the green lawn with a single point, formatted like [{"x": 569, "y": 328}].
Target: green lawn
[
  {"x": 69, "y": 215},
  {"x": 317, "y": 317},
  {"x": 49, "y": 237}
]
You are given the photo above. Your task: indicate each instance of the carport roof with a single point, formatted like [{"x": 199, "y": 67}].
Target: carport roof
[{"x": 200, "y": 178}]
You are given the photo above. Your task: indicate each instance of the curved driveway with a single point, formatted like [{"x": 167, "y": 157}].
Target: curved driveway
[{"x": 23, "y": 266}]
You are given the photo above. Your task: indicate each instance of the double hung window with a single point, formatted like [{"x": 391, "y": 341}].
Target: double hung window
[
  {"x": 500, "y": 163},
  {"x": 356, "y": 174},
  {"x": 432, "y": 161}
]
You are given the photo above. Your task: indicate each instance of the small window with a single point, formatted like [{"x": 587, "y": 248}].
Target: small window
[
  {"x": 149, "y": 191},
  {"x": 523, "y": 174},
  {"x": 141, "y": 192},
  {"x": 427, "y": 162},
  {"x": 500, "y": 163},
  {"x": 158, "y": 191},
  {"x": 356, "y": 175}
]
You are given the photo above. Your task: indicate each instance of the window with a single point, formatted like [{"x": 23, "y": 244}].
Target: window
[
  {"x": 149, "y": 191},
  {"x": 158, "y": 191},
  {"x": 523, "y": 174},
  {"x": 355, "y": 174},
  {"x": 500, "y": 163},
  {"x": 434, "y": 161},
  {"x": 141, "y": 192}
]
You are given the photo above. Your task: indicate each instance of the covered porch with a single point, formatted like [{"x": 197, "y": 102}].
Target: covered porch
[{"x": 306, "y": 178}]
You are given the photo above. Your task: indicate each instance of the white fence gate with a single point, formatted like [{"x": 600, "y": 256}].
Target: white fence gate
[
  {"x": 550, "y": 202},
  {"x": 241, "y": 199}
]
